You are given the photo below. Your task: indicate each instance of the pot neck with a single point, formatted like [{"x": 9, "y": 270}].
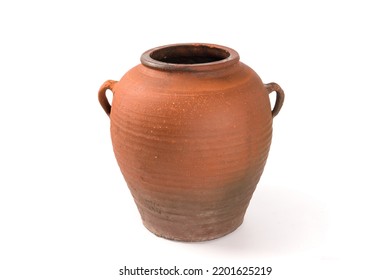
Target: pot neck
[{"x": 190, "y": 57}]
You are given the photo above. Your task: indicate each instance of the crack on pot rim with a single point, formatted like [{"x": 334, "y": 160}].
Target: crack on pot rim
[{"x": 190, "y": 57}]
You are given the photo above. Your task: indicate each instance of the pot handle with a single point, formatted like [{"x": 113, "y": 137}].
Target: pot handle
[
  {"x": 109, "y": 84},
  {"x": 279, "y": 97}
]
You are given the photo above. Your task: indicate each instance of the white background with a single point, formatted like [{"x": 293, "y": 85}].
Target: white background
[{"x": 321, "y": 209}]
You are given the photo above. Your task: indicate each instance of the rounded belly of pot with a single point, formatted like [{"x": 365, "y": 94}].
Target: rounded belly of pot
[{"x": 192, "y": 159}]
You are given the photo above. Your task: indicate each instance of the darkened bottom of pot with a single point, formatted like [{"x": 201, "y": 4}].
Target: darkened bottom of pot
[
  {"x": 201, "y": 233},
  {"x": 194, "y": 214}
]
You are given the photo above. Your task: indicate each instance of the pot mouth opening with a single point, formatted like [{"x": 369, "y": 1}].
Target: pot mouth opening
[{"x": 189, "y": 57}]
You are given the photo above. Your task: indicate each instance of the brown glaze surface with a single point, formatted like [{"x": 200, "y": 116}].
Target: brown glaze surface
[{"x": 191, "y": 129}]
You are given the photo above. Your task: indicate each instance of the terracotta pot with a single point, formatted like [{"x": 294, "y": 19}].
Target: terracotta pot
[{"x": 191, "y": 128}]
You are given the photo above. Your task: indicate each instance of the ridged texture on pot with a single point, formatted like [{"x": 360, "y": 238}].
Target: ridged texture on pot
[{"x": 192, "y": 146}]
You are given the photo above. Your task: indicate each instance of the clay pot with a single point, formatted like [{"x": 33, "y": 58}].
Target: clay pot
[{"x": 191, "y": 128}]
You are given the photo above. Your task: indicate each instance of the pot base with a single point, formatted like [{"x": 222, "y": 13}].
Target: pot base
[{"x": 191, "y": 237}]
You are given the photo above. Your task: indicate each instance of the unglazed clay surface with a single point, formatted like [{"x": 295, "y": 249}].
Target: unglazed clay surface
[{"x": 191, "y": 128}]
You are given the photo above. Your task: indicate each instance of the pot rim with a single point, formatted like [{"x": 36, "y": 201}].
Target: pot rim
[{"x": 218, "y": 57}]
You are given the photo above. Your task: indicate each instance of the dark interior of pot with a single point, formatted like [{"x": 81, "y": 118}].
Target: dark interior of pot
[{"x": 189, "y": 54}]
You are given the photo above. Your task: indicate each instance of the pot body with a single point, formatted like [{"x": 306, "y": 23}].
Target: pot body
[{"x": 191, "y": 141}]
